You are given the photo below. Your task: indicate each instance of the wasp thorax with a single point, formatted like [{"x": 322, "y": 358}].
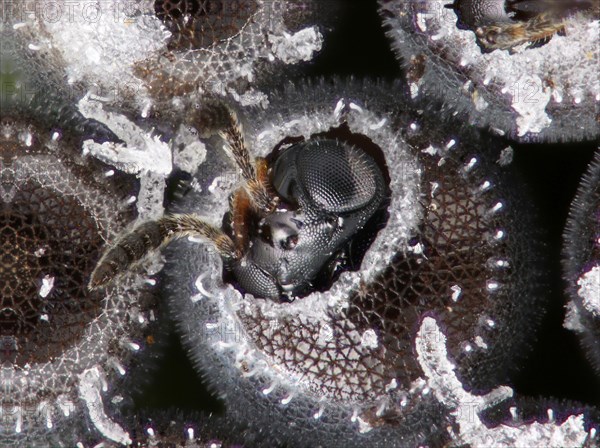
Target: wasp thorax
[
  {"x": 201, "y": 23},
  {"x": 328, "y": 191}
]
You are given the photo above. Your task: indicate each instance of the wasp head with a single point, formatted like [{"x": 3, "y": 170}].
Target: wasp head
[{"x": 328, "y": 191}]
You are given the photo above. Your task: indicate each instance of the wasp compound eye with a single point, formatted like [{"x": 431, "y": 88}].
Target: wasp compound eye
[
  {"x": 524, "y": 69},
  {"x": 335, "y": 177},
  {"x": 581, "y": 262},
  {"x": 454, "y": 254},
  {"x": 154, "y": 57}
]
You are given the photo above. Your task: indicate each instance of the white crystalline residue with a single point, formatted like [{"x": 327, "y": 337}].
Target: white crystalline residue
[
  {"x": 90, "y": 385},
  {"x": 392, "y": 385},
  {"x": 439, "y": 35},
  {"x": 40, "y": 251},
  {"x": 195, "y": 185},
  {"x": 557, "y": 95},
  {"x": 369, "y": 339},
  {"x": 416, "y": 249},
  {"x": 325, "y": 334},
  {"x": 479, "y": 342},
  {"x": 101, "y": 41},
  {"x": 382, "y": 123},
  {"x": 441, "y": 378},
  {"x": 218, "y": 70},
  {"x": 223, "y": 184},
  {"x": 142, "y": 152},
  {"x": 246, "y": 71},
  {"x": 431, "y": 150},
  {"x": 203, "y": 291},
  {"x": 414, "y": 90},
  {"x": 506, "y": 156},
  {"x": 456, "y": 292},
  {"x": 150, "y": 198},
  {"x": 300, "y": 46},
  {"x": 132, "y": 160},
  {"x": 573, "y": 318},
  {"x": 189, "y": 152},
  {"x": 363, "y": 426},
  {"x": 589, "y": 290},
  {"x": 47, "y": 285},
  {"x": 65, "y": 404},
  {"x": 532, "y": 110},
  {"x": 422, "y": 20},
  {"x": 250, "y": 97},
  {"x": 189, "y": 157},
  {"x": 479, "y": 102}
]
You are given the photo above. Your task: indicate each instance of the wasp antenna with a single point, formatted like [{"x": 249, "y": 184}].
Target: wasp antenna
[
  {"x": 235, "y": 145},
  {"x": 210, "y": 116},
  {"x": 259, "y": 189},
  {"x": 179, "y": 226},
  {"x": 151, "y": 235},
  {"x": 255, "y": 174},
  {"x": 506, "y": 36}
]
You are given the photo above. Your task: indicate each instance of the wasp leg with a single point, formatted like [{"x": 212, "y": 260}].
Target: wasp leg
[
  {"x": 255, "y": 175},
  {"x": 151, "y": 235},
  {"x": 505, "y": 36}
]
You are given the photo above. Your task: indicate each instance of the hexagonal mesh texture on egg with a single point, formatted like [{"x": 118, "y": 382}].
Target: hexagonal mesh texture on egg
[
  {"x": 54, "y": 217},
  {"x": 201, "y": 23}
]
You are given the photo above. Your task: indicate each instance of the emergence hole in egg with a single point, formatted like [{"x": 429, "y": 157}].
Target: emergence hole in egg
[
  {"x": 48, "y": 242},
  {"x": 347, "y": 257},
  {"x": 196, "y": 24}
]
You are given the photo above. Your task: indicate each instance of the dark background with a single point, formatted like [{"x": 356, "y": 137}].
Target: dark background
[{"x": 557, "y": 367}]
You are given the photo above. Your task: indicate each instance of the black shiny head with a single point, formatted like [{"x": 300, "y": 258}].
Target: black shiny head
[
  {"x": 474, "y": 13},
  {"x": 328, "y": 191}
]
